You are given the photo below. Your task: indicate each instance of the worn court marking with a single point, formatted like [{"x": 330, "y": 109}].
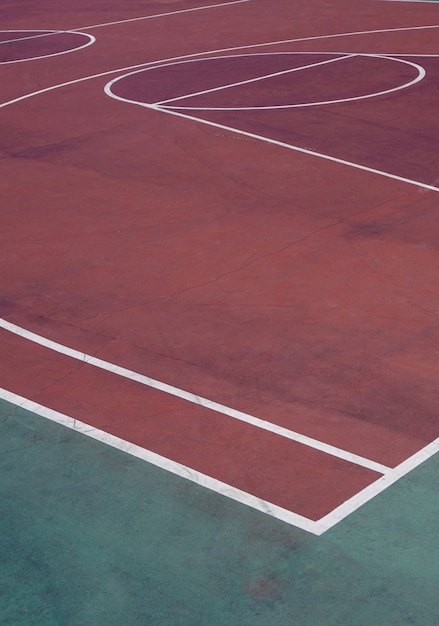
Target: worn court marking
[
  {"x": 315, "y": 527},
  {"x": 91, "y": 40}
]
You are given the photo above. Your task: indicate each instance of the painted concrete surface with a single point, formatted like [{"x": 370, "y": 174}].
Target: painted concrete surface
[
  {"x": 91, "y": 536},
  {"x": 280, "y": 282}
]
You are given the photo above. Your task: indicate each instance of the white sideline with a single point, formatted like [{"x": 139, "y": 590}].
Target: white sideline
[
  {"x": 194, "y": 398},
  {"x": 316, "y": 527}
]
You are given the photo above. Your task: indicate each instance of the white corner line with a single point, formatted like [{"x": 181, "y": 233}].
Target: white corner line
[
  {"x": 318, "y": 527},
  {"x": 364, "y": 496},
  {"x": 195, "y": 399},
  {"x": 163, "y": 463}
]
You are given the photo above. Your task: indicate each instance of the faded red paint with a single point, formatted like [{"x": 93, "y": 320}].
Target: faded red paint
[{"x": 294, "y": 289}]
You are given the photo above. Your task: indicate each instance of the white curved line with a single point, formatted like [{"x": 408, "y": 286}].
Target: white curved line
[
  {"x": 281, "y": 144},
  {"x": 250, "y": 80},
  {"x": 141, "y": 66},
  {"x": 134, "y": 19},
  {"x": 195, "y": 119},
  {"x": 91, "y": 40},
  {"x": 419, "y": 77},
  {"x": 200, "y": 55},
  {"x": 231, "y": 49}
]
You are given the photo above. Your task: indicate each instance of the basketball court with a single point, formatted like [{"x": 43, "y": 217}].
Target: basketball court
[{"x": 219, "y": 312}]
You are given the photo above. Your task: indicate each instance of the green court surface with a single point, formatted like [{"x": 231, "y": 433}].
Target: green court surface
[{"x": 92, "y": 536}]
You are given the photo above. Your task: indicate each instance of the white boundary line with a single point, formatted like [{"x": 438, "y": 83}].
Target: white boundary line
[
  {"x": 194, "y": 399},
  {"x": 313, "y": 153},
  {"x": 91, "y": 40},
  {"x": 159, "y": 105},
  {"x": 315, "y": 527},
  {"x": 364, "y": 496},
  {"x": 159, "y": 461}
]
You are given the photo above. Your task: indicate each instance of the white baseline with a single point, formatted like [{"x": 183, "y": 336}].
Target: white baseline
[{"x": 316, "y": 527}]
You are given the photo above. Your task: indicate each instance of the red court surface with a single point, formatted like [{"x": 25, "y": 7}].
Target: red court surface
[
  {"x": 20, "y": 46},
  {"x": 229, "y": 215}
]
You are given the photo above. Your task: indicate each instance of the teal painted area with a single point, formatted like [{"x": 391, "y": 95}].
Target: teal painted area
[{"x": 90, "y": 536}]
